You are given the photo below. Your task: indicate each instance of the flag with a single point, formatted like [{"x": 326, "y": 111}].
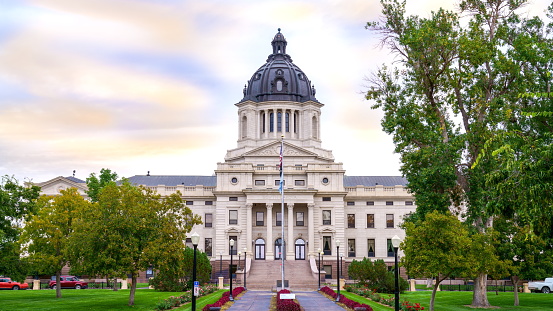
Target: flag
[{"x": 281, "y": 185}]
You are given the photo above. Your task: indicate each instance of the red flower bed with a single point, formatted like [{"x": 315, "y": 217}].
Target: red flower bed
[
  {"x": 224, "y": 299},
  {"x": 286, "y": 304},
  {"x": 348, "y": 302}
]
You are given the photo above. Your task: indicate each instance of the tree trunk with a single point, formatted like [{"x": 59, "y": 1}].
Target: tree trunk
[
  {"x": 515, "y": 288},
  {"x": 58, "y": 284},
  {"x": 115, "y": 284},
  {"x": 434, "y": 290},
  {"x": 133, "y": 289},
  {"x": 480, "y": 296}
]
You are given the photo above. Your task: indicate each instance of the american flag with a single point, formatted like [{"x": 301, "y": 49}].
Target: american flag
[{"x": 281, "y": 185}]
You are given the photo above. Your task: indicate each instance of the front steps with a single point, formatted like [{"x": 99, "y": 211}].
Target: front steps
[{"x": 265, "y": 273}]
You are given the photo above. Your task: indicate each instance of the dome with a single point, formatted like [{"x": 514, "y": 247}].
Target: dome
[{"x": 279, "y": 79}]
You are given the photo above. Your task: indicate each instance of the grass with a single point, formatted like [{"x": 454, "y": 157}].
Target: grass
[
  {"x": 87, "y": 299},
  {"x": 457, "y": 301},
  {"x": 203, "y": 301}
]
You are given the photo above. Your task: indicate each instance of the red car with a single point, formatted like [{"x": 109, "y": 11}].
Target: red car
[
  {"x": 68, "y": 281},
  {"x": 7, "y": 283}
]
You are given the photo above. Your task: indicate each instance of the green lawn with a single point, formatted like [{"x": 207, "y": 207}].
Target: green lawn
[
  {"x": 455, "y": 301},
  {"x": 202, "y": 301},
  {"x": 87, "y": 299}
]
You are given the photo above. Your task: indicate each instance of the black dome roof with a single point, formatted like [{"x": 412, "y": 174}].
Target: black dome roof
[{"x": 279, "y": 79}]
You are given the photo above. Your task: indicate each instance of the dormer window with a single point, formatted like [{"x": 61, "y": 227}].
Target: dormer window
[{"x": 279, "y": 85}]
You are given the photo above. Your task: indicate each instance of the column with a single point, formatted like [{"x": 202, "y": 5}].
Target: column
[
  {"x": 269, "y": 241},
  {"x": 311, "y": 227},
  {"x": 249, "y": 225},
  {"x": 290, "y": 244}
]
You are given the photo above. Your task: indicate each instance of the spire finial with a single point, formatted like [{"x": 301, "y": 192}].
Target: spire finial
[{"x": 278, "y": 29}]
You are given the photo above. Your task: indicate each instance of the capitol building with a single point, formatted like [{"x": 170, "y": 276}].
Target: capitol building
[{"x": 322, "y": 205}]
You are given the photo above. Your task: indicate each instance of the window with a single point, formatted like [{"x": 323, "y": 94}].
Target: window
[
  {"x": 328, "y": 271},
  {"x": 326, "y": 199},
  {"x": 351, "y": 247},
  {"x": 278, "y": 219},
  {"x": 279, "y": 85},
  {"x": 389, "y": 202},
  {"x": 279, "y": 121},
  {"x": 325, "y": 180},
  {"x": 287, "y": 122},
  {"x": 326, "y": 245},
  {"x": 300, "y": 183},
  {"x": 371, "y": 246},
  {"x": 390, "y": 248},
  {"x": 208, "y": 220},
  {"x": 188, "y": 242},
  {"x": 389, "y": 220},
  {"x": 370, "y": 220},
  {"x": 370, "y": 202},
  {"x": 351, "y": 220},
  {"x": 271, "y": 122},
  {"x": 149, "y": 273},
  {"x": 208, "y": 202},
  {"x": 326, "y": 217},
  {"x": 233, "y": 217},
  {"x": 233, "y": 198},
  {"x": 350, "y": 203},
  {"x": 299, "y": 219},
  {"x": 234, "y": 180},
  {"x": 408, "y": 202},
  {"x": 259, "y": 219},
  {"x": 260, "y": 183},
  {"x": 189, "y": 202},
  {"x": 277, "y": 182},
  {"x": 235, "y": 247},
  {"x": 208, "y": 247}
]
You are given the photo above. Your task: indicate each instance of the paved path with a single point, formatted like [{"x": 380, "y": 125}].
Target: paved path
[
  {"x": 314, "y": 301},
  {"x": 253, "y": 300},
  {"x": 261, "y": 300}
]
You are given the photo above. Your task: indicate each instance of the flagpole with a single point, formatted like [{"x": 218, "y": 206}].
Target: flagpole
[{"x": 281, "y": 188}]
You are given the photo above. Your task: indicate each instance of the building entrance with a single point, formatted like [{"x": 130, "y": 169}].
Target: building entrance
[
  {"x": 300, "y": 249},
  {"x": 259, "y": 249}
]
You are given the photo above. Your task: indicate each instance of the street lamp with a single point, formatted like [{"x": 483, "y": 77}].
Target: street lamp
[
  {"x": 338, "y": 268},
  {"x": 239, "y": 260},
  {"x": 220, "y": 263},
  {"x": 395, "y": 243},
  {"x": 341, "y": 267},
  {"x": 231, "y": 250},
  {"x": 320, "y": 252},
  {"x": 195, "y": 237},
  {"x": 245, "y": 264}
]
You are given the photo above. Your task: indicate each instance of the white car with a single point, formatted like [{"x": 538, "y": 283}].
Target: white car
[{"x": 544, "y": 287}]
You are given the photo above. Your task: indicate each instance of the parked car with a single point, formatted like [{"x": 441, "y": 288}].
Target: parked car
[
  {"x": 544, "y": 287},
  {"x": 7, "y": 283},
  {"x": 68, "y": 281}
]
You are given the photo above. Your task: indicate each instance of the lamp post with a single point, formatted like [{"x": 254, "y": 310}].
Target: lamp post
[
  {"x": 245, "y": 265},
  {"x": 338, "y": 268},
  {"x": 239, "y": 260},
  {"x": 320, "y": 252},
  {"x": 220, "y": 263},
  {"x": 395, "y": 243},
  {"x": 195, "y": 237},
  {"x": 231, "y": 250},
  {"x": 341, "y": 267}
]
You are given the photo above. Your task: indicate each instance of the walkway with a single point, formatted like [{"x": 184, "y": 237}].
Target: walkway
[{"x": 261, "y": 300}]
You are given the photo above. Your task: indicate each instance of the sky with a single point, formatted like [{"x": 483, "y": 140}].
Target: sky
[{"x": 151, "y": 85}]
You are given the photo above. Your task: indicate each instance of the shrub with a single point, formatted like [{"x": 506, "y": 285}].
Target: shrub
[
  {"x": 346, "y": 301},
  {"x": 224, "y": 298}
]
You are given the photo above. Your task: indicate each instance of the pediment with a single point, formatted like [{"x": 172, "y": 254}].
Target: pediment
[
  {"x": 55, "y": 185},
  {"x": 273, "y": 149},
  {"x": 233, "y": 230}
]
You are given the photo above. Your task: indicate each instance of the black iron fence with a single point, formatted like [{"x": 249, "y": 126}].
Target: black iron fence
[{"x": 91, "y": 285}]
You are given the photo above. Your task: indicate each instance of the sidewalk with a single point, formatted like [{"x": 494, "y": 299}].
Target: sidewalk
[
  {"x": 253, "y": 300},
  {"x": 261, "y": 300}
]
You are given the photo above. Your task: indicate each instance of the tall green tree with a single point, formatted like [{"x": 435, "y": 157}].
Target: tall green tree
[
  {"x": 454, "y": 85},
  {"x": 129, "y": 229},
  {"x": 47, "y": 233},
  {"x": 17, "y": 204},
  {"x": 175, "y": 269},
  {"x": 96, "y": 183}
]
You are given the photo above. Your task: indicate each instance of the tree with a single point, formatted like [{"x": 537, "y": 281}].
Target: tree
[
  {"x": 17, "y": 204},
  {"x": 175, "y": 271},
  {"x": 530, "y": 257},
  {"x": 46, "y": 234},
  {"x": 128, "y": 230},
  {"x": 455, "y": 86},
  {"x": 96, "y": 184},
  {"x": 437, "y": 248}
]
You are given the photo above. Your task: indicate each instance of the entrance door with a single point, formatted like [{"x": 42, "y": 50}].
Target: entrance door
[
  {"x": 300, "y": 249},
  {"x": 279, "y": 249},
  {"x": 260, "y": 249}
]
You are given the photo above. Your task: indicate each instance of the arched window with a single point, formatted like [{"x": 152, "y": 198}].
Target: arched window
[
  {"x": 287, "y": 122},
  {"x": 279, "y": 85},
  {"x": 271, "y": 122},
  {"x": 279, "y": 121},
  {"x": 263, "y": 122},
  {"x": 244, "y": 127},
  {"x": 315, "y": 128}
]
